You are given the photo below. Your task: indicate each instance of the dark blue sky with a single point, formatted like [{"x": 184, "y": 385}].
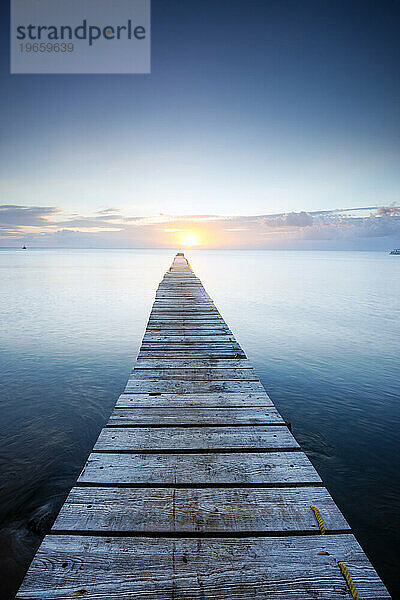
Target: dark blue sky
[{"x": 251, "y": 108}]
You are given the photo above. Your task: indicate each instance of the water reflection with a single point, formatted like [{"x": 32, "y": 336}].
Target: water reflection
[{"x": 321, "y": 328}]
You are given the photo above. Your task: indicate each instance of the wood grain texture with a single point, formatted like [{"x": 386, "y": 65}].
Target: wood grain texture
[
  {"x": 204, "y": 316},
  {"x": 178, "y": 386},
  {"x": 291, "y": 568},
  {"x": 218, "y": 400},
  {"x": 176, "y": 305},
  {"x": 194, "y": 374},
  {"x": 198, "y": 510},
  {"x": 189, "y": 345},
  {"x": 188, "y": 341},
  {"x": 182, "y": 331},
  {"x": 194, "y": 416},
  {"x": 192, "y": 352},
  {"x": 142, "y": 439},
  {"x": 160, "y": 363},
  {"x": 211, "y": 469},
  {"x": 185, "y": 324},
  {"x": 182, "y": 309},
  {"x": 217, "y": 334}
]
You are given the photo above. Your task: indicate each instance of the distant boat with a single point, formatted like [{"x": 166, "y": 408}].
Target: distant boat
[
  {"x": 24, "y": 247},
  {"x": 397, "y": 251}
]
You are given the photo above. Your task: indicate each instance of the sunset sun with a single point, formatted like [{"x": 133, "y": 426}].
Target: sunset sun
[{"x": 189, "y": 239}]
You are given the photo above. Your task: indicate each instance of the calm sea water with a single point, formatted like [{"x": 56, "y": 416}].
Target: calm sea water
[{"x": 322, "y": 329}]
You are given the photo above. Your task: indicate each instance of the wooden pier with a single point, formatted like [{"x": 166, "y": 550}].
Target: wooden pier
[{"x": 196, "y": 489}]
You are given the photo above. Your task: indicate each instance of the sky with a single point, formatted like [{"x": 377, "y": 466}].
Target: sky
[{"x": 260, "y": 125}]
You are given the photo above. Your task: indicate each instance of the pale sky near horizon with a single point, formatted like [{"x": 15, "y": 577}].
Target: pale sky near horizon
[{"x": 251, "y": 109}]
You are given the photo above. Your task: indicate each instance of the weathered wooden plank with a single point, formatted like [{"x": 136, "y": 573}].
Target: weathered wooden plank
[
  {"x": 205, "y": 308},
  {"x": 164, "y": 416},
  {"x": 178, "y": 302},
  {"x": 181, "y": 292},
  {"x": 191, "y": 305},
  {"x": 188, "y": 306},
  {"x": 179, "y": 298},
  {"x": 203, "y": 315},
  {"x": 195, "y": 374},
  {"x": 199, "y": 364},
  {"x": 190, "y": 439},
  {"x": 173, "y": 353},
  {"x": 185, "y": 326},
  {"x": 198, "y": 510},
  {"x": 170, "y": 334},
  {"x": 185, "y": 323},
  {"x": 269, "y": 568},
  {"x": 221, "y": 344},
  {"x": 218, "y": 400},
  {"x": 189, "y": 317},
  {"x": 209, "y": 469},
  {"x": 178, "y": 386},
  {"x": 206, "y": 316},
  {"x": 177, "y": 313},
  {"x": 188, "y": 343},
  {"x": 178, "y": 283},
  {"x": 190, "y": 310},
  {"x": 209, "y": 317},
  {"x": 206, "y": 348},
  {"x": 193, "y": 338}
]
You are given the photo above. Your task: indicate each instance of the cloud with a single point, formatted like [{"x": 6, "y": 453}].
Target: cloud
[
  {"x": 236, "y": 229},
  {"x": 292, "y": 219},
  {"x": 388, "y": 210},
  {"x": 336, "y": 229},
  {"x": 96, "y": 222},
  {"x": 301, "y": 219},
  {"x": 13, "y": 214},
  {"x": 108, "y": 211}
]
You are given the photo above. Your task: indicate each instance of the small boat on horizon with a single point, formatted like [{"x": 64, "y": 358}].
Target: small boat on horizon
[
  {"x": 24, "y": 247},
  {"x": 396, "y": 251}
]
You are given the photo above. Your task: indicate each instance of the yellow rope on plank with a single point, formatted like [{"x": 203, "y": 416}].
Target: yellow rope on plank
[
  {"x": 319, "y": 519},
  {"x": 349, "y": 581}
]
